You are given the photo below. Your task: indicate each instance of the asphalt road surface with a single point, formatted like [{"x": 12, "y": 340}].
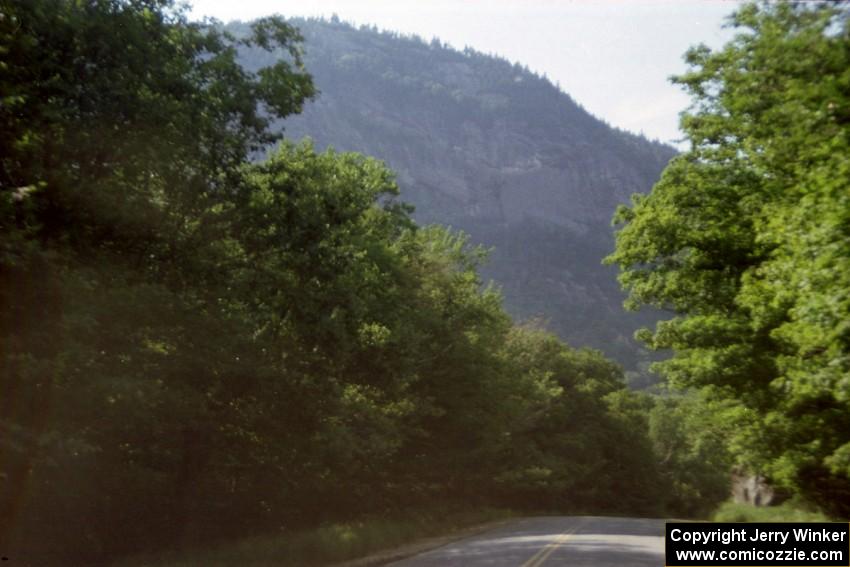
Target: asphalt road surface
[{"x": 577, "y": 541}]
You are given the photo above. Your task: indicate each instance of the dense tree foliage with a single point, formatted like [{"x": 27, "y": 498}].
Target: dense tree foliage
[
  {"x": 746, "y": 240},
  {"x": 689, "y": 436},
  {"x": 196, "y": 347},
  {"x": 123, "y": 131},
  {"x": 569, "y": 451}
]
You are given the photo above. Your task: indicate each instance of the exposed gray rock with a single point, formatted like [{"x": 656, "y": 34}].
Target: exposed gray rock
[{"x": 753, "y": 489}]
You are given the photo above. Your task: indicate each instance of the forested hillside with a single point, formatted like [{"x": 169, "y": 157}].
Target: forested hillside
[{"x": 485, "y": 146}]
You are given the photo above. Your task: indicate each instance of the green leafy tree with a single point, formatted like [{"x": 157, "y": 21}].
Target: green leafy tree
[
  {"x": 123, "y": 128},
  {"x": 690, "y": 436},
  {"x": 463, "y": 394},
  {"x": 745, "y": 240},
  {"x": 581, "y": 443},
  {"x": 317, "y": 274}
]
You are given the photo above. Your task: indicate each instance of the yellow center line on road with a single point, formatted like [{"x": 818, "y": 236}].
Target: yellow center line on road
[{"x": 538, "y": 558}]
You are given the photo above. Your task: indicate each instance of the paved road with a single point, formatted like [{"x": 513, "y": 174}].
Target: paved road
[{"x": 577, "y": 541}]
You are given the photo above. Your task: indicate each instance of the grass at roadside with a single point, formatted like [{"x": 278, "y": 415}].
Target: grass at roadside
[
  {"x": 790, "y": 511},
  {"x": 328, "y": 544}
]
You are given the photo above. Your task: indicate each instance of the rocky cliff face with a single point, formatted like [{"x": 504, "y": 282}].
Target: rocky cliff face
[{"x": 485, "y": 146}]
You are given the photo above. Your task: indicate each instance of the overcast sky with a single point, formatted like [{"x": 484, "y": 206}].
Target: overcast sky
[{"x": 614, "y": 57}]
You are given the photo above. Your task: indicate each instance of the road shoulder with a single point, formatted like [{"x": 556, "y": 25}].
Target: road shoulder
[{"x": 419, "y": 546}]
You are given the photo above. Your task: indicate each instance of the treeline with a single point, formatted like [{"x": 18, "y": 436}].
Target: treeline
[
  {"x": 746, "y": 239},
  {"x": 197, "y": 347}
]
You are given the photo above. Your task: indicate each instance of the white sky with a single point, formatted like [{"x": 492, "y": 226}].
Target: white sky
[{"x": 614, "y": 57}]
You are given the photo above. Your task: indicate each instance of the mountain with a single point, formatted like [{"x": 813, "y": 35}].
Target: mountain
[{"x": 486, "y": 146}]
